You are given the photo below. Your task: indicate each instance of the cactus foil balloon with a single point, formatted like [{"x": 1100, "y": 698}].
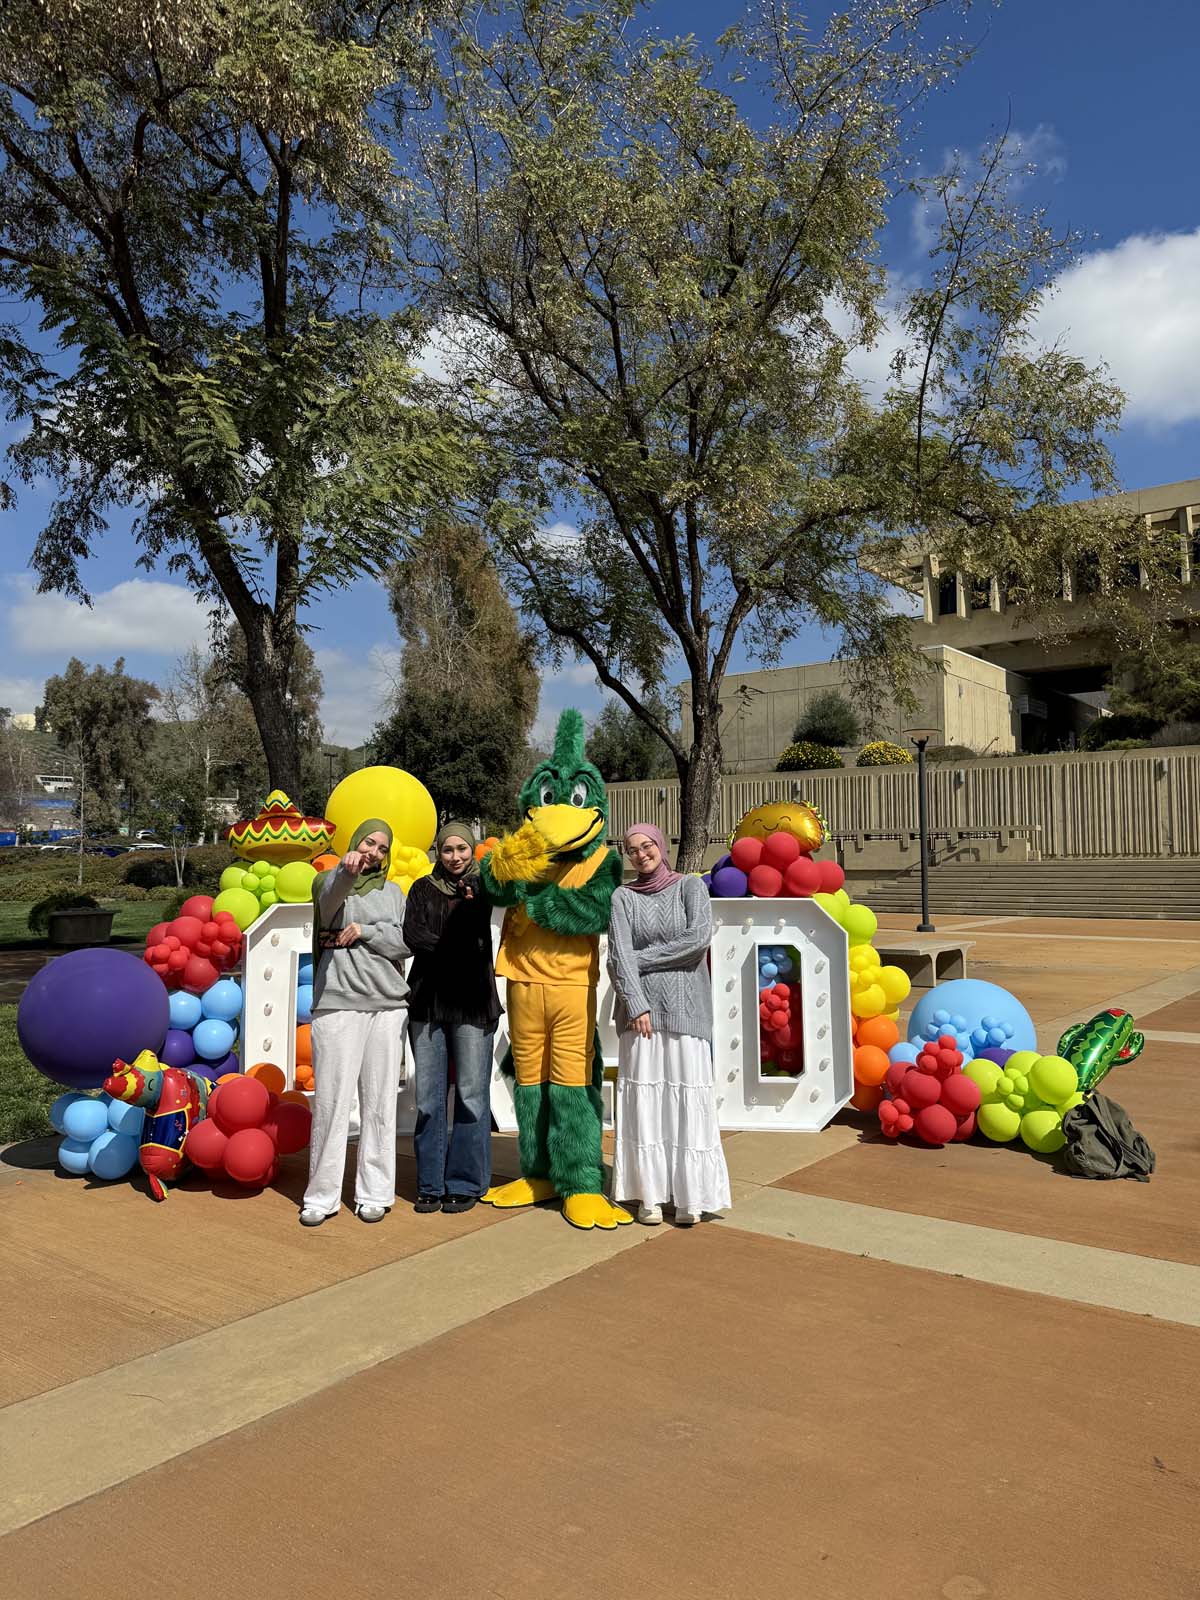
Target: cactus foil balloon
[{"x": 1094, "y": 1048}]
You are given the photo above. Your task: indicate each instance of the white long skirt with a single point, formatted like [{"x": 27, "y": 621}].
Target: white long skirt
[{"x": 668, "y": 1144}]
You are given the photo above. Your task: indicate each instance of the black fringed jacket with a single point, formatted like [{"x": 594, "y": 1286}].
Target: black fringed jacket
[{"x": 452, "y": 978}]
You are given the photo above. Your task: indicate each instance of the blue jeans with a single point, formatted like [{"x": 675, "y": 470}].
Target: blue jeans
[{"x": 465, "y": 1165}]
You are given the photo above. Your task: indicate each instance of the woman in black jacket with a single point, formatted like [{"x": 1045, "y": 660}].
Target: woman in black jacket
[{"x": 453, "y": 1009}]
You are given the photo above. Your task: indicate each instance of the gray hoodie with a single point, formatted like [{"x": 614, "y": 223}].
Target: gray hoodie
[{"x": 367, "y": 975}]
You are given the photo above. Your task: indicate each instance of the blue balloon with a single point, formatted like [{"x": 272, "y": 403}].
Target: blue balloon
[
  {"x": 969, "y": 1001},
  {"x": 304, "y": 970},
  {"x": 784, "y": 966},
  {"x": 903, "y": 1052},
  {"x": 127, "y": 1119},
  {"x": 223, "y": 1001},
  {"x": 185, "y": 1011},
  {"x": 112, "y": 1155},
  {"x": 58, "y": 1109},
  {"x": 213, "y": 1039},
  {"x": 304, "y": 1003},
  {"x": 85, "y": 1120},
  {"x": 73, "y": 1156},
  {"x": 769, "y": 971}
]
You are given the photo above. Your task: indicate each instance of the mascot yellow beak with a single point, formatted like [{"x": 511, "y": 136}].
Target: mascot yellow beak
[{"x": 567, "y": 828}]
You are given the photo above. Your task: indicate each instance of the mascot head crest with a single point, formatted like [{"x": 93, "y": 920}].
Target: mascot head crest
[{"x": 564, "y": 795}]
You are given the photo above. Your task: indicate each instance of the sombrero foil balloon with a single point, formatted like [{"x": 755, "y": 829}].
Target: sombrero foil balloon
[{"x": 280, "y": 833}]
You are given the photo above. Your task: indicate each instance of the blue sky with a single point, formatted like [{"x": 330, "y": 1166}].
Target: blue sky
[{"x": 1097, "y": 99}]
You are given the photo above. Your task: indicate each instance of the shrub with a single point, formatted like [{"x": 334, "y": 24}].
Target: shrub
[
  {"x": 65, "y": 900},
  {"x": 1102, "y": 733},
  {"x": 805, "y": 755},
  {"x": 883, "y": 753},
  {"x": 951, "y": 752},
  {"x": 23, "y": 886},
  {"x": 829, "y": 719},
  {"x": 1172, "y": 733},
  {"x": 1126, "y": 744},
  {"x": 126, "y": 893}
]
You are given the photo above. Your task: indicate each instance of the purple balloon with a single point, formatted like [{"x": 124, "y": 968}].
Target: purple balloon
[
  {"x": 996, "y": 1054},
  {"x": 730, "y": 883},
  {"x": 87, "y": 1009},
  {"x": 177, "y": 1050},
  {"x": 215, "y": 1069},
  {"x": 722, "y": 861}
]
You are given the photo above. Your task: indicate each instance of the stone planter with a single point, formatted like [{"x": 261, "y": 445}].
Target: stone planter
[{"x": 80, "y": 927}]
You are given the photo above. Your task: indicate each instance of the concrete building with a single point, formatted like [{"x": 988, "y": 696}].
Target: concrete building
[{"x": 994, "y": 684}]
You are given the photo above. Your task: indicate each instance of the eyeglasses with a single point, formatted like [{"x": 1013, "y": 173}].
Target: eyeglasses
[{"x": 635, "y": 850}]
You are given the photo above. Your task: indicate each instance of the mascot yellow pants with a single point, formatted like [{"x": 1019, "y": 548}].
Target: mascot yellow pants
[{"x": 552, "y": 1029}]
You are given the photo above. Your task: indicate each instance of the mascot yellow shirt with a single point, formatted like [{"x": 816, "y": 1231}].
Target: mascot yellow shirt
[{"x": 530, "y": 953}]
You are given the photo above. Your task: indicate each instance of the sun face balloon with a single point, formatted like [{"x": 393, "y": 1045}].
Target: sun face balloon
[{"x": 797, "y": 817}]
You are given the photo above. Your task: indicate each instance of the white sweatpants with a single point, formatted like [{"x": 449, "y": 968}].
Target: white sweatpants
[{"x": 355, "y": 1052}]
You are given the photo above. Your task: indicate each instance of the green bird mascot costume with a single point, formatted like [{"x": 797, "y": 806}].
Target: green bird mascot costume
[{"x": 556, "y": 875}]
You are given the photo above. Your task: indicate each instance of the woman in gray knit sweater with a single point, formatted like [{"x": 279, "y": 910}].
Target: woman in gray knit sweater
[{"x": 668, "y": 1143}]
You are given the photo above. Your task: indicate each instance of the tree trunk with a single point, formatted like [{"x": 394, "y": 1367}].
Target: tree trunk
[
  {"x": 700, "y": 790},
  {"x": 268, "y": 680}
]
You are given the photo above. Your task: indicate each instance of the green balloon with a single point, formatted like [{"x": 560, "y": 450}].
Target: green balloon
[
  {"x": 1042, "y": 1130},
  {"x": 248, "y": 882},
  {"x": 860, "y": 922},
  {"x": 268, "y": 898},
  {"x": 1053, "y": 1079},
  {"x": 985, "y": 1073},
  {"x": 241, "y": 905},
  {"x": 998, "y": 1122},
  {"x": 261, "y": 868},
  {"x": 232, "y": 877},
  {"x": 293, "y": 882}
]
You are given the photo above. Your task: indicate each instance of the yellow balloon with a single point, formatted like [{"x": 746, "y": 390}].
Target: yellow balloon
[
  {"x": 396, "y": 797},
  {"x": 895, "y": 983},
  {"x": 868, "y": 1001}
]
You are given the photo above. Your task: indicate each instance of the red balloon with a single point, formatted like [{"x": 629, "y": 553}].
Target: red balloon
[
  {"x": 801, "y": 878},
  {"x": 199, "y": 906},
  {"x": 920, "y": 1089},
  {"x": 895, "y": 1077},
  {"x": 178, "y": 959},
  {"x": 780, "y": 850},
  {"x": 765, "y": 882},
  {"x": 205, "y": 1146},
  {"x": 198, "y": 974},
  {"x": 156, "y": 935},
  {"x": 250, "y": 1155},
  {"x": 241, "y": 1103},
  {"x": 187, "y": 929},
  {"x": 965, "y": 1128},
  {"x": 935, "y": 1125},
  {"x": 960, "y": 1095},
  {"x": 290, "y": 1126},
  {"x": 831, "y": 875},
  {"x": 746, "y": 854}
]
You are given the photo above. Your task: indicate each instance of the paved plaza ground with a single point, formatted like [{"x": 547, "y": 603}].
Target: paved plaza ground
[{"x": 889, "y": 1372}]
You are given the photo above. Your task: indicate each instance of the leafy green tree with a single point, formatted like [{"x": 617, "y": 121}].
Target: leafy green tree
[
  {"x": 656, "y": 293},
  {"x": 828, "y": 718},
  {"x": 469, "y": 691},
  {"x": 1159, "y": 682},
  {"x": 195, "y": 194},
  {"x": 624, "y": 748}
]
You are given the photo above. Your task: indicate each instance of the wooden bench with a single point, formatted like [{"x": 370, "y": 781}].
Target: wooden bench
[{"x": 927, "y": 961}]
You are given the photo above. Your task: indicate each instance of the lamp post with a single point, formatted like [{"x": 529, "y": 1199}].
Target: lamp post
[{"x": 920, "y": 737}]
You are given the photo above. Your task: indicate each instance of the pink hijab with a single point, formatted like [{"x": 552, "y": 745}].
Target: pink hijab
[{"x": 663, "y": 876}]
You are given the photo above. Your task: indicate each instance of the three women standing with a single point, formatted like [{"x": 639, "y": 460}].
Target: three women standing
[
  {"x": 360, "y": 1017},
  {"x": 454, "y": 1008},
  {"x": 668, "y": 1142}
]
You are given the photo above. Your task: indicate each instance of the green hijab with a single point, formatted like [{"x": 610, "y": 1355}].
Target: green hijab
[
  {"x": 363, "y": 884},
  {"x": 443, "y": 881}
]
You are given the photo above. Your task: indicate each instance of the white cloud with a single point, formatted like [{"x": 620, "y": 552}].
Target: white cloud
[
  {"x": 456, "y": 350},
  {"x": 355, "y": 691},
  {"x": 872, "y": 366},
  {"x": 1136, "y": 308},
  {"x": 141, "y": 615},
  {"x": 1040, "y": 153},
  {"x": 558, "y": 536},
  {"x": 21, "y": 695}
]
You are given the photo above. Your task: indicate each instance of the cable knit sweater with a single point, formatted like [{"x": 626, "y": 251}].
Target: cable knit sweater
[{"x": 657, "y": 958}]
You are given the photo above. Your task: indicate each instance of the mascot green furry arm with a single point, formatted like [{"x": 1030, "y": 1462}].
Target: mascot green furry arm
[{"x": 556, "y": 875}]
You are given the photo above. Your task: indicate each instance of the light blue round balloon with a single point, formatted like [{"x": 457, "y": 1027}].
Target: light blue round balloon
[
  {"x": 127, "y": 1119},
  {"x": 222, "y": 1002},
  {"x": 903, "y": 1052},
  {"x": 769, "y": 971},
  {"x": 86, "y": 1119},
  {"x": 304, "y": 1003},
  {"x": 213, "y": 1039},
  {"x": 185, "y": 1011},
  {"x": 73, "y": 1156},
  {"x": 304, "y": 969},
  {"x": 59, "y": 1108},
  {"x": 112, "y": 1155},
  {"x": 972, "y": 999}
]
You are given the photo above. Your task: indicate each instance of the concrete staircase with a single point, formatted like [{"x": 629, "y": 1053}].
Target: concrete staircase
[{"x": 1130, "y": 887}]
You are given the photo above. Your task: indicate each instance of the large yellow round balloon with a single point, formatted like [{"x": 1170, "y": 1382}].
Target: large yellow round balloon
[{"x": 396, "y": 797}]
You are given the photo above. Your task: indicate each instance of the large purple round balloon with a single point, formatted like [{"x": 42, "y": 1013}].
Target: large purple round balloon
[
  {"x": 995, "y": 1053},
  {"x": 730, "y": 883},
  {"x": 178, "y": 1049},
  {"x": 215, "y": 1069},
  {"x": 88, "y": 1009}
]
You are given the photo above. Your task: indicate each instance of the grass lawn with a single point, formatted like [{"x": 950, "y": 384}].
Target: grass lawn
[
  {"x": 131, "y": 924},
  {"x": 25, "y": 1096}
]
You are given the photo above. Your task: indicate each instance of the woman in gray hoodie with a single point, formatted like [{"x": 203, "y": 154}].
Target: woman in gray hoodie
[{"x": 360, "y": 1018}]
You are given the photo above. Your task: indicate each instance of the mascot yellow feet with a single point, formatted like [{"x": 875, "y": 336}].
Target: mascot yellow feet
[
  {"x": 520, "y": 1192},
  {"x": 593, "y": 1211}
]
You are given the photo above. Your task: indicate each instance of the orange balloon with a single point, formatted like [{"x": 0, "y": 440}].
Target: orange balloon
[
  {"x": 293, "y": 1097},
  {"x": 304, "y": 1045},
  {"x": 326, "y": 862},
  {"x": 225, "y": 1076},
  {"x": 269, "y": 1075},
  {"x": 870, "y": 1065},
  {"x": 882, "y": 1032},
  {"x": 304, "y": 1077},
  {"x": 866, "y": 1098}
]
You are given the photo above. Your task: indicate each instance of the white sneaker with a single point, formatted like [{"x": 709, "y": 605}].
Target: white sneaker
[
  {"x": 313, "y": 1217},
  {"x": 684, "y": 1219},
  {"x": 371, "y": 1213},
  {"x": 650, "y": 1215}
]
